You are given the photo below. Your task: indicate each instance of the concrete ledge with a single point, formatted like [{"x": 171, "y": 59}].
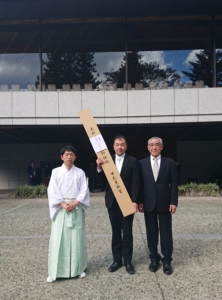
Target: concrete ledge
[
  {"x": 95, "y": 101},
  {"x": 47, "y": 105},
  {"x": 162, "y": 102},
  {"x": 162, "y": 119},
  {"x": 115, "y": 104},
  {"x": 112, "y": 107},
  {"x": 138, "y": 103},
  {"x": 23, "y": 104},
  {"x": 138, "y": 120},
  {"x": 210, "y": 101},
  {"x": 70, "y": 121},
  {"x": 185, "y": 119},
  {"x": 69, "y": 104},
  {"x": 186, "y": 102},
  {"x": 6, "y": 105}
]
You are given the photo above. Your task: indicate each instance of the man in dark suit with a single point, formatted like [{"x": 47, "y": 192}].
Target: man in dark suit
[
  {"x": 92, "y": 174},
  {"x": 178, "y": 168},
  {"x": 159, "y": 202},
  {"x": 122, "y": 237},
  {"x": 31, "y": 171}
]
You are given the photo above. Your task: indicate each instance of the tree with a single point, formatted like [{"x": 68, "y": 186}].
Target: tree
[
  {"x": 69, "y": 68},
  {"x": 202, "y": 68},
  {"x": 140, "y": 71}
]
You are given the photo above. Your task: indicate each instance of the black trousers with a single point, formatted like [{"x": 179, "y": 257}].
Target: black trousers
[
  {"x": 122, "y": 237},
  {"x": 159, "y": 222},
  {"x": 31, "y": 181},
  {"x": 92, "y": 184}
]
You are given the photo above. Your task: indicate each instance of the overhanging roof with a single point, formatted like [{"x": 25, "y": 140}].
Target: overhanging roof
[
  {"x": 76, "y": 134},
  {"x": 98, "y": 25}
]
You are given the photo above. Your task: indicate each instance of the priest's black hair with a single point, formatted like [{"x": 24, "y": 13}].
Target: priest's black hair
[{"x": 68, "y": 148}]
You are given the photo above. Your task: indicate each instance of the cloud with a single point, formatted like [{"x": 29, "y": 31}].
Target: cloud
[
  {"x": 106, "y": 61},
  {"x": 158, "y": 56},
  {"x": 191, "y": 57},
  {"x": 112, "y": 60},
  {"x": 21, "y": 69}
]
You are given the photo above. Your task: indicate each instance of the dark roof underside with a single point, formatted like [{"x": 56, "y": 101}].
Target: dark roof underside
[
  {"x": 99, "y": 26},
  {"x": 76, "y": 133}
]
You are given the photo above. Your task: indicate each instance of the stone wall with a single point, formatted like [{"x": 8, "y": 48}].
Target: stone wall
[{"x": 112, "y": 107}]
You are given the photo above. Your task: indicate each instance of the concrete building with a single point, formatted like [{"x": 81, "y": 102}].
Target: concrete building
[{"x": 35, "y": 124}]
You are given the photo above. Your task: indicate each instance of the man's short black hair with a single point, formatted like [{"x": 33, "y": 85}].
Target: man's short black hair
[
  {"x": 68, "y": 148},
  {"x": 120, "y": 137}
]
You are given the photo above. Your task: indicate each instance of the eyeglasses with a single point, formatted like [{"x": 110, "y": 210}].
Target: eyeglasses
[{"x": 154, "y": 145}]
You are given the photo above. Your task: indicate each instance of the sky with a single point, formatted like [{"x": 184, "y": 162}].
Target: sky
[
  {"x": 178, "y": 60},
  {"x": 23, "y": 69}
]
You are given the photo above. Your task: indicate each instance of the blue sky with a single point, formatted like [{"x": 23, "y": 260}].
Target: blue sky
[
  {"x": 178, "y": 60},
  {"x": 23, "y": 68}
]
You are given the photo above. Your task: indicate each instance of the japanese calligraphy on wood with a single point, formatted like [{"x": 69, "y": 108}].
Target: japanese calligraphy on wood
[{"x": 109, "y": 167}]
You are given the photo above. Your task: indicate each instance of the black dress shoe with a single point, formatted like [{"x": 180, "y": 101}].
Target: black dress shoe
[
  {"x": 167, "y": 269},
  {"x": 130, "y": 268},
  {"x": 115, "y": 266},
  {"x": 153, "y": 266}
]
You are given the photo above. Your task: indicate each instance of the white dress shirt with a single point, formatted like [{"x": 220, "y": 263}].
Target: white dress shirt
[
  {"x": 119, "y": 161},
  {"x": 158, "y": 159}
]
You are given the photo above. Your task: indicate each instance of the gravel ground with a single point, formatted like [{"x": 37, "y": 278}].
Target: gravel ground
[{"x": 197, "y": 258}]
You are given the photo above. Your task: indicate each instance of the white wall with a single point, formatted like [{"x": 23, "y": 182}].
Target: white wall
[
  {"x": 198, "y": 159},
  {"x": 112, "y": 107}
]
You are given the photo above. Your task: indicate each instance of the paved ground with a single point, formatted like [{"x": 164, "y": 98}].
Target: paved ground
[{"x": 197, "y": 264}]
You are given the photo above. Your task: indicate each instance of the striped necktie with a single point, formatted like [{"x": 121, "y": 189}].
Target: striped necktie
[
  {"x": 118, "y": 164},
  {"x": 155, "y": 169}
]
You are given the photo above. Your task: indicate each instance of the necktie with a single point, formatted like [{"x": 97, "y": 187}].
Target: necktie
[
  {"x": 155, "y": 169},
  {"x": 118, "y": 164}
]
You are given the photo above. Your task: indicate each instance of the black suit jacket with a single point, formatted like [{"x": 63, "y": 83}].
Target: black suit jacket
[
  {"x": 30, "y": 170},
  {"x": 130, "y": 177},
  {"x": 160, "y": 193}
]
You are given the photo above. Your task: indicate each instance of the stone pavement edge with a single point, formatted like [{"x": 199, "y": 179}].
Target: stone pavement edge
[{"x": 197, "y": 257}]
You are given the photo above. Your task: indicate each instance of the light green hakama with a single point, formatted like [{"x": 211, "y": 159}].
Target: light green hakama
[{"x": 67, "y": 246}]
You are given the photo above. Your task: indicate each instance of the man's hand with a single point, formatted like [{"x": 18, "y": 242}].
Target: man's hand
[
  {"x": 64, "y": 205},
  {"x": 135, "y": 207},
  {"x": 140, "y": 207},
  {"x": 172, "y": 209},
  {"x": 72, "y": 205},
  {"x": 99, "y": 163},
  {"x": 69, "y": 206}
]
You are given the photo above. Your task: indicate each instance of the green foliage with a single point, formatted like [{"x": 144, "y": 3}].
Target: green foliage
[
  {"x": 29, "y": 191},
  {"x": 69, "y": 68},
  {"x": 140, "y": 71},
  {"x": 194, "y": 189},
  {"x": 202, "y": 68}
]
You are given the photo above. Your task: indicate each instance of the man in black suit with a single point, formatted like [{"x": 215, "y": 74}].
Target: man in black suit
[
  {"x": 178, "y": 168},
  {"x": 31, "y": 171},
  {"x": 159, "y": 202},
  {"x": 122, "y": 237},
  {"x": 92, "y": 174}
]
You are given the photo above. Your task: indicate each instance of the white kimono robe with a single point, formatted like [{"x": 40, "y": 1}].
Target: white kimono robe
[{"x": 67, "y": 246}]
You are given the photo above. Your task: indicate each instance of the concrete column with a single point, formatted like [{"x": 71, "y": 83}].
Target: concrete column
[
  {"x": 214, "y": 70},
  {"x": 40, "y": 56}
]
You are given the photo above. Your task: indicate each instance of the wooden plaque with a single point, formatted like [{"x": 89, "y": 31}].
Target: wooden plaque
[{"x": 109, "y": 167}]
